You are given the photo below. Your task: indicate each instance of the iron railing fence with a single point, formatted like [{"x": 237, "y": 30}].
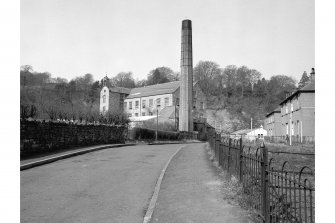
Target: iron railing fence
[
  {"x": 295, "y": 139},
  {"x": 278, "y": 193}
]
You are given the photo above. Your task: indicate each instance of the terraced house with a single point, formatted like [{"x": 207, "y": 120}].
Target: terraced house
[
  {"x": 297, "y": 114},
  {"x": 273, "y": 123}
]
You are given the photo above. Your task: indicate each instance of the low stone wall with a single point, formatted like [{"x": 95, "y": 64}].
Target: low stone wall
[{"x": 37, "y": 137}]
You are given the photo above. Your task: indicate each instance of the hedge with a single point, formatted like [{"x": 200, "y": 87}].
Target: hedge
[
  {"x": 37, "y": 137},
  {"x": 150, "y": 134}
]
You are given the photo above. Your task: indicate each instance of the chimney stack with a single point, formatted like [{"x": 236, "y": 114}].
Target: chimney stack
[
  {"x": 186, "y": 78},
  {"x": 313, "y": 74}
]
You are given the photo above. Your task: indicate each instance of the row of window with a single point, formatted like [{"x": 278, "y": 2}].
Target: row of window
[
  {"x": 136, "y": 114},
  {"x": 294, "y": 104},
  {"x": 144, "y": 103},
  {"x": 293, "y": 125}
]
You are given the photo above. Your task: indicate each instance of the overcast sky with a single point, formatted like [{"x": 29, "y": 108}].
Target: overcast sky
[{"x": 69, "y": 38}]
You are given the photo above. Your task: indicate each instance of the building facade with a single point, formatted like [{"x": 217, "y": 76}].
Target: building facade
[
  {"x": 298, "y": 114},
  {"x": 112, "y": 98},
  {"x": 273, "y": 124},
  {"x": 295, "y": 119},
  {"x": 250, "y": 134},
  {"x": 146, "y": 101}
]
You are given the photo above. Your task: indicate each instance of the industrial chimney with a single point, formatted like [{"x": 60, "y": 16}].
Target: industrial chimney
[
  {"x": 313, "y": 74},
  {"x": 186, "y": 78}
]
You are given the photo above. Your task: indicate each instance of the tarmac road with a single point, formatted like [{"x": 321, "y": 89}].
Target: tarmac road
[{"x": 112, "y": 185}]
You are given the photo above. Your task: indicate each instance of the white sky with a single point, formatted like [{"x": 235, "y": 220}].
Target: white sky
[{"x": 69, "y": 38}]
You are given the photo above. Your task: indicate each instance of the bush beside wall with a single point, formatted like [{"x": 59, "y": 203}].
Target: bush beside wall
[
  {"x": 150, "y": 135},
  {"x": 37, "y": 137}
]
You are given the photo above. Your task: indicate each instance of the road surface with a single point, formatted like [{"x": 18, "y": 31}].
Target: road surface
[{"x": 112, "y": 185}]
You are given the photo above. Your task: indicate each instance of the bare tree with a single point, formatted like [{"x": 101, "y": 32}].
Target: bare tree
[
  {"x": 123, "y": 79},
  {"x": 254, "y": 76},
  {"x": 243, "y": 74},
  {"x": 208, "y": 74}
]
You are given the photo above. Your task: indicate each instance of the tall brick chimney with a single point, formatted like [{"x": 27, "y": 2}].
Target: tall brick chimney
[
  {"x": 186, "y": 77},
  {"x": 313, "y": 74}
]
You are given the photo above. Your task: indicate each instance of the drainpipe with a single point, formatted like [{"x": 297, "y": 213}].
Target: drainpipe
[
  {"x": 301, "y": 132},
  {"x": 290, "y": 128}
]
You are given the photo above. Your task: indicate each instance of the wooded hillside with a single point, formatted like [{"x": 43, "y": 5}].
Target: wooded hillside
[{"x": 238, "y": 92}]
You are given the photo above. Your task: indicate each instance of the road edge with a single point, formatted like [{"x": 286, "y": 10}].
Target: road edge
[
  {"x": 68, "y": 155},
  {"x": 152, "y": 204}
]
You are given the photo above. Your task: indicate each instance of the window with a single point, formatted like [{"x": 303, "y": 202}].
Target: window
[
  {"x": 136, "y": 104},
  {"x": 105, "y": 91},
  {"x": 158, "y": 102},
  {"x": 136, "y": 114},
  {"x": 143, "y": 113},
  {"x": 292, "y": 128},
  {"x": 104, "y": 99},
  {"x": 298, "y": 130},
  {"x": 143, "y": 103},
  {"x": 129, "y": 114},
  {"x": 202, "y": 105},
  {"x": 130, "y": 105},
  {"x": 151, "y": 102},
  {"x": 103, "y": 108},
  {"x": 177, "y": 101},
  {"x": 166, "y": 101},
  {"x": 150, "y": 113}
]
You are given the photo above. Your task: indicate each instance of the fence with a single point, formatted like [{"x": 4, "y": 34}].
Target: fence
[
  {"x": 295, "y": 139},
  {"x": 277, "y": 193}
]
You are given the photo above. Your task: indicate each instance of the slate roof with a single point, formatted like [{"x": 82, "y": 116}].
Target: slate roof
[
  {"x": 309, "y": 88},
  {"x": 120, "y": 90},
  {"x": 168, "y": 112},
  {"x": 241, "y": 132},
  {"x": 277, "y": 110},
  {"x": 157, "y": 89}
]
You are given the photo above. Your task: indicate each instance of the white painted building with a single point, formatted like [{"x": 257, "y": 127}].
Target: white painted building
[{"x": 249, "y": 134}]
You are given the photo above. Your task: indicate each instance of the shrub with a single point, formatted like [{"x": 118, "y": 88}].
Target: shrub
[
  {"x": 38, "y": 137},
  {"x": 163, "y": 126},
  {"x": 150, "y": 134},
  {"x": 115, "y": 118}
]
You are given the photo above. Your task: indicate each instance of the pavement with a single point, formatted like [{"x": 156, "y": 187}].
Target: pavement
[
  {"x": 118, "y": 185},
  {"x": 191, "y": 192}
]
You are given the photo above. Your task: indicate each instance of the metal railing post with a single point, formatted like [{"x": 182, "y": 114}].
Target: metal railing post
[
  {"x": 265, "y": 183},
  {"x": 228, "y": 157},
  {"x": 241, "y": 160}
]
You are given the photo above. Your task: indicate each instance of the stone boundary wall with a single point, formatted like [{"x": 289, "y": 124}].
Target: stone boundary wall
[{"x": 37, "y": 137}]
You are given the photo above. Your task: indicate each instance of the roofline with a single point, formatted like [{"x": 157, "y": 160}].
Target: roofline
[
  {"x": 275, "y": 111},
  {"x": 146, "y": 95},
  {"x": 295, "y": 93},
  {"x": 154, "y": 85}
]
